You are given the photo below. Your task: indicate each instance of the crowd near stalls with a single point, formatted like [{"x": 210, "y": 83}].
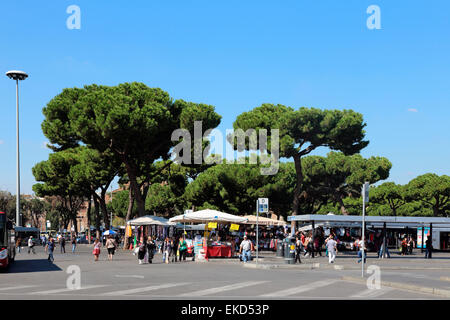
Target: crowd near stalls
[
  {"x": 399, "y": 234},
  {"x": 199, "y": 235}
]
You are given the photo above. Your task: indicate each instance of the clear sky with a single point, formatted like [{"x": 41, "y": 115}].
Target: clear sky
[{"x": 236, "y": 55}]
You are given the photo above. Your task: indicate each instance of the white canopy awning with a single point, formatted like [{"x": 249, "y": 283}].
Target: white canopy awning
[
  {"x": 264, "y": 221},
  {"x": 150, "y": 220},
  {"x": 208, "y": 215}
]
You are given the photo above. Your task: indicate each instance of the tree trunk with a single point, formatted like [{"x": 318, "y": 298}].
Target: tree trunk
[
  {"x": 106, "y": 217},
  {"x": 89, "y": 219},
  {"x": 298, "y": 187},
  {"x": 97, "y": 218},
  {"x": 128, "y": 217},
  {"x": 134, "y": 188},
  {"x": 344, "y": 210}
]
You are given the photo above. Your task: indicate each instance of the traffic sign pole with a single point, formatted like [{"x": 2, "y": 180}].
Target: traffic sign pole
[
  {"x": 365, "y": 196},
  {"x": 257, "y": 229}
]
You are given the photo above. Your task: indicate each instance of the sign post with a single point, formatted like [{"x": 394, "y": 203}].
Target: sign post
[
  {"x": 184, "y": 223},
  {"x": 262, "y": 206},
  {"x": 365, "y": 196}
]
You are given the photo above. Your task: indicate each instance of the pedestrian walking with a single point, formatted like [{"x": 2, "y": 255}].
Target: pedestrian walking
[
  {"x": 142, "y": 251},
  {"x": 404, "y": 246},
  {"x": 31, "y": 245},
  {"x": 245, "y": 249},
  {"x": 18, "y": 244},
  {"x": 74, "y": 244},
  {"x": 96, "y": 251},
  {"x": 151, "y": 247},
  {"x": 331, "y": 248},
  {"x": 298, "y": 249},
  {"x": 174, "y": 253},
  {"x": 411, "y": 245},
  {"x": 111, "y": 247},
  {"x": 362, "y": 252},
  {"x": 62, "y": 243},
  {"x": 166, "y": 249},
  {"x": 50, "y": 247},
  {"x": 182, "y": 248},
  {"x": 429, "y": 248},
  {"x": 384, "y": 250}
]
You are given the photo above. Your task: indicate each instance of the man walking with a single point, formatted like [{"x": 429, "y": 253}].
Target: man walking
[
  {"x": 74, "y": 243},
  {"x": 62, "y": 243},
  {"x": 245, "y": 249},
  {"x": 49, "y": 248},
  {"x": 331, "y": 247},
  {"x": 31, "y": 245},
  {"x": 429, "y": 248}
]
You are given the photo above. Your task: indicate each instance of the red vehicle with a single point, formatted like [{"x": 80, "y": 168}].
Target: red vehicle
[{"x": 7, "y": 241}]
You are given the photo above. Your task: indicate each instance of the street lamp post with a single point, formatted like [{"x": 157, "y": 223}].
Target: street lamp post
[{"x": 17, "y": 75}]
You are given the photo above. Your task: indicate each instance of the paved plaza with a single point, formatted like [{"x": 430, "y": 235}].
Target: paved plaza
[{"x": 411, "y": 277}]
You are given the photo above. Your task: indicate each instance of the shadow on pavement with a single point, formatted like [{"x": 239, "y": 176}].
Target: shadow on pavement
[{"x": 33, "y": 265}]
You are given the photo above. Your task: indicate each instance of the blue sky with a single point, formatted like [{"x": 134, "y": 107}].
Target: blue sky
[{"x": 236, "y": 55}]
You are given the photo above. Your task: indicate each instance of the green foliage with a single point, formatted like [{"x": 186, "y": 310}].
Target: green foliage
[
  {"x": 389, "y": 194},
  {"x": 132, "y": 120},
  {"x": 302, "y": 131},
  {"x": 433, "y": 191},
  {"x": 119, "y": 204}
]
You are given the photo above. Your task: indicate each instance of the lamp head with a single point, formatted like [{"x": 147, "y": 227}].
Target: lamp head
[{"x": 16, "y": 75}]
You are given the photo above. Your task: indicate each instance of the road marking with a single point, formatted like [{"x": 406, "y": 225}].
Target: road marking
[
  {"x": 300, "y": 289},
  {"x": 66, "y": 290},
  {"x": 129, "y": 276},
  {"x": 14, "y": 288},
  {"x": 221, "y": 289},
  {"x": 372, "y": 293},
  {"x": 144, "y": 289}
]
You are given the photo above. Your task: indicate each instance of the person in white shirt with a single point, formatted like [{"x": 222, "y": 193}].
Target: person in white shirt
[
  {"x": 31, "y": 245},
  {"x": 331, "y": 246},
  {"x": 246, "y": 249},
  {"x": 361, "y": 250}
]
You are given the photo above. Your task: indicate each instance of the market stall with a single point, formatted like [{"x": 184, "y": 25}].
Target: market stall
[
  {"x": 267, "y": 236},
  {"x": 213, "y": 219},
  {"x": 149, "y": 226}
]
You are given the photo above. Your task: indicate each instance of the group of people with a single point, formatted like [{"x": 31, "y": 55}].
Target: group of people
[
  {"x": 173, "y": 249},
  {"x": 407, "y": 246},
  {"x": 110, "y": 244}
]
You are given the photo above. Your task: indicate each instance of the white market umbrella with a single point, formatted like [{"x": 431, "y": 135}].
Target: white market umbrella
[
  {"x": 150, "y": 220},
  {"x": 208, "y": 215},
  {"x": 264, "y": 221}
]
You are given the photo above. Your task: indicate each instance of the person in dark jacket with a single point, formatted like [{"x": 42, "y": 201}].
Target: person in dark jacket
[
  {"x": 429, "y": 248},
  {"x": 167, "y": 250},
  {"x": 151, "y": 246}
]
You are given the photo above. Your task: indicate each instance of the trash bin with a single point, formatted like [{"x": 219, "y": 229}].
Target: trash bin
[
  {"x": 289, "y": 250},
  {"x": 280, "y": 248}
]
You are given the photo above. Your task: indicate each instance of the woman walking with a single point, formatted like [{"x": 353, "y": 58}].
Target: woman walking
[
  {"x": 111, "y": 247},
  {"x": 182, "y": 247},
  {"x": 96, "y": 251},
  {"x": 166, "y": 248},
  {"x": 142, "y": 251},
  {"x": 151, "y": 246},
  {"x": 74, "y": 243}
]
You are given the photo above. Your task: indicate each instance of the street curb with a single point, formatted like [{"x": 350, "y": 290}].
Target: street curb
[{"x": 410, "y": 287}]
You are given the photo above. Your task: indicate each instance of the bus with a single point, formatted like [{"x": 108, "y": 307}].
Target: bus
[{"x": 7, "y": 241}]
